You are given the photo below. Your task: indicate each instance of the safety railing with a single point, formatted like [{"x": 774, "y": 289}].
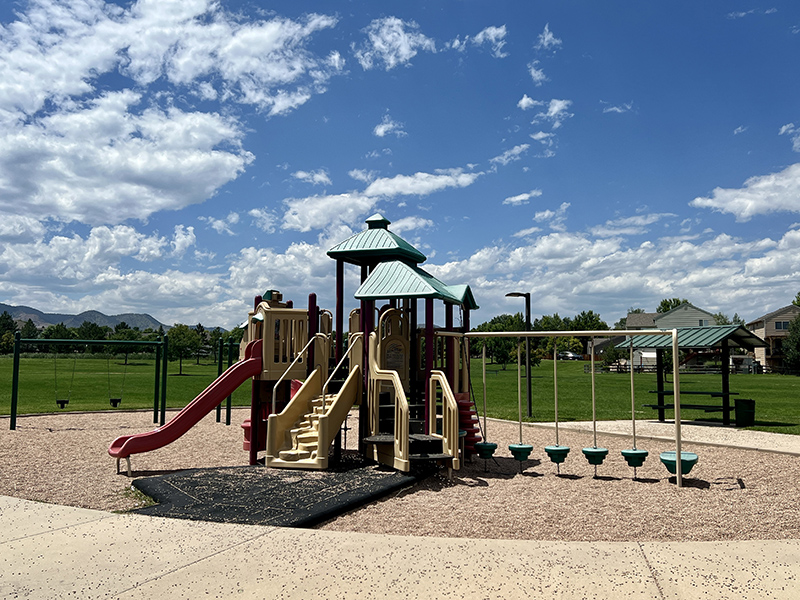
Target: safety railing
[
  {"x": 449, "y": 416},
  {"x": 401, "y": 411},
  {"x": 351, "y": 344},
  {"x": 297, "y": 358}
]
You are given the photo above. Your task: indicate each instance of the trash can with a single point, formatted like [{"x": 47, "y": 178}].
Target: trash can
[{"x": 745, "y": 412}]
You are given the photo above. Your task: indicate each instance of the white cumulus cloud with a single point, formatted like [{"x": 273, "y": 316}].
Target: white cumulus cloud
[
  {"x": 391, "y": 42},
  {"x": 520, "y": 199},
  {"x": 760, "y": 195}
]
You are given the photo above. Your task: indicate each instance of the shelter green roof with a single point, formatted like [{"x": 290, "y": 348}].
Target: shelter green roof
[
  {"x": 711, "y": 336},
  {"x": 396, "y": 279},
  {"x": 374, "y": 244}
]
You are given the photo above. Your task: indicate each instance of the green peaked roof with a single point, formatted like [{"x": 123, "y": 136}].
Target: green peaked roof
[
  {"x": 465, "y": 293},
  {"x": 396, "y": 279},
  {"x": 711, "y": 336},
  {"x": 374, "y": 244}
]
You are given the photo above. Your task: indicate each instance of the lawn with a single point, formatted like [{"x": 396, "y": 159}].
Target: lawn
[
  {"x": 777, "y": 397},
  {"x": 96, "y": 380}
]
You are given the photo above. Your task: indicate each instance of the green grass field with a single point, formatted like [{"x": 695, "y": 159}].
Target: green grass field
[
  {"x": 96, "y": 380},
  {"x": 777, "y": 397}
]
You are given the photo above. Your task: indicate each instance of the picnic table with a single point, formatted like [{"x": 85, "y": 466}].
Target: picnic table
[{"x": 725, "y": 408}]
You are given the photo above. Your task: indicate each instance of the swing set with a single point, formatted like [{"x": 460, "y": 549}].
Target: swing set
[{"x": 62, "y": 400}]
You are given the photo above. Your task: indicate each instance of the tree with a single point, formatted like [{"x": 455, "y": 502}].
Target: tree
[
  {"x": 57, "y": 332},
  {"x": 7, "y": 343},
  {"x": 796, "y": 300},
  {"x": 667, "y": 304},
  {"x": 91, "y": 331},
  {"x": 29, "y": 331},
  {"x": 183, "y": 342},
  {"x": 125, "y": 334},
  {"x": 214, "y": 336},
  {"x": 791, "y": 345},
  {"x": 501, "y": 349},
  {"x": 587, "y": 321},
  {"x": 7, "y": 324},
  {"x": 721, "y": 319},
  {"x": 201, "y": 331}
]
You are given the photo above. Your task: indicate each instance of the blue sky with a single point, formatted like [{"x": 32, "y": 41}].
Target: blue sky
[{"x": 177, "y": 157}]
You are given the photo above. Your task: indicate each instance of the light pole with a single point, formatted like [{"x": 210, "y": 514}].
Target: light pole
[{"x": 527, "y": 296}]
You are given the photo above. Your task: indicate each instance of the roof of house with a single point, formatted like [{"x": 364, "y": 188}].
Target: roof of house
[
  {"x": 681, "y": 306},
  {"x": 711, "y": 336},
  {"x": 791, "y": 308},
  {"x": 640, "y": 320}
]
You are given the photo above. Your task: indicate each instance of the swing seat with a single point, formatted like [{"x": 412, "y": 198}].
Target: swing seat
[
  {"x": 62, "y": 402},
  {"x": 115, "y": 402}
]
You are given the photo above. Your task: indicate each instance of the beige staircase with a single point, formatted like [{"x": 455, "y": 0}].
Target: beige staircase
[
  {"x": 301, "y": 435},
  {"x": 305, "y": 434}
]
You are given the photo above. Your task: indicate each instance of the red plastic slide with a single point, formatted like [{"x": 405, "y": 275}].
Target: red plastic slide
[{"x": 222, "y": 387}]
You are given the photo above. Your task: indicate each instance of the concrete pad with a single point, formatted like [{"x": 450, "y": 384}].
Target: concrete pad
[
  {"x": 291, "y": 563},
  {"x": 23, "y": 518},
  {"x": 741, "y": 570},
  {"x": 106, "y": 556}
]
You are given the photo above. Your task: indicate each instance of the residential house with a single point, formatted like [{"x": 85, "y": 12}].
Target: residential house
[
  {"x": 772, "y": 328},
  {"x": 685, "y": 315}
]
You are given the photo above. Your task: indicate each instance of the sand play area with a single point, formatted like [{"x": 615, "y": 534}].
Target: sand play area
[{"x": 731, "y": 494}]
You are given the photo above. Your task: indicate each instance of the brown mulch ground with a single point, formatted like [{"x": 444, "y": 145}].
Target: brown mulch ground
[{"x": 731, "y": 494}]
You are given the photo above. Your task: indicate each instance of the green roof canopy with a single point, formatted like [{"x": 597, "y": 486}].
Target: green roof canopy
[
  {"x": 396, "y": 279},
  {"x": 374, "y": 244},
  {"x": 701, "y": 337}
]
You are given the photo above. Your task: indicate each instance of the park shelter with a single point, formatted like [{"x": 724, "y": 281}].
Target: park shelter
[{"x": 721, "y": 337}]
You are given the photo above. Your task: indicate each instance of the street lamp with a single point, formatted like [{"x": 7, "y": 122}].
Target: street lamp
[{"x": 527, "y": 296}]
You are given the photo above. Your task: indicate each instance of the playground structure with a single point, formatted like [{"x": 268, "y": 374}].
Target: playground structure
[{"x": 411, "y": 382}]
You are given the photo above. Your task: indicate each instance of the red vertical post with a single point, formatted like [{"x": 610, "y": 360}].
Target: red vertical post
[
  {"x": 255, "y": 405},
  {"x": 450, "y": 347},
  {"x": 313, "y": 328},
  {"x": 339, "y": 310},
  {"x": 429, "y": 352}
]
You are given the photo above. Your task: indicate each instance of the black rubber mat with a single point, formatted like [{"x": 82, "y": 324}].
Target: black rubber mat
[{"x": 256, "y": 495}]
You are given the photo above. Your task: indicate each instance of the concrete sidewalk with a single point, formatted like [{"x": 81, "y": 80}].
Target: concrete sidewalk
[{"x": 49, "y": 551}]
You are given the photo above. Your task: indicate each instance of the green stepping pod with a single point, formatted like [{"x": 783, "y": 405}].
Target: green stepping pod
[
  {"x": 595, "y": 455},
  {"x": 688, "y": 460},
  {"x": 557, "y": 454},
  {"x": 635, "y": 457}
]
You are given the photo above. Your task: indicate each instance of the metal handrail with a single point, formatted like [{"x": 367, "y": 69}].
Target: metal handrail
[
  {"x": 294, "y": 362},
  {"x": 350, "y": 345}
]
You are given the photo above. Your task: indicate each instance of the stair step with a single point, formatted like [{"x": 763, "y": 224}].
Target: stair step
[
  {"x": 381, "y": 438},
  {"x": 429, "y": 456},
  {"x": 294, "y": 454},
  {"x": 308, "y": 438},
  {"x": 423, "y": 437}
]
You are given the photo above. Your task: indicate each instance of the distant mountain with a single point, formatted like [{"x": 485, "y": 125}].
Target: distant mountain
[{"x": 41, "y": 319}]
